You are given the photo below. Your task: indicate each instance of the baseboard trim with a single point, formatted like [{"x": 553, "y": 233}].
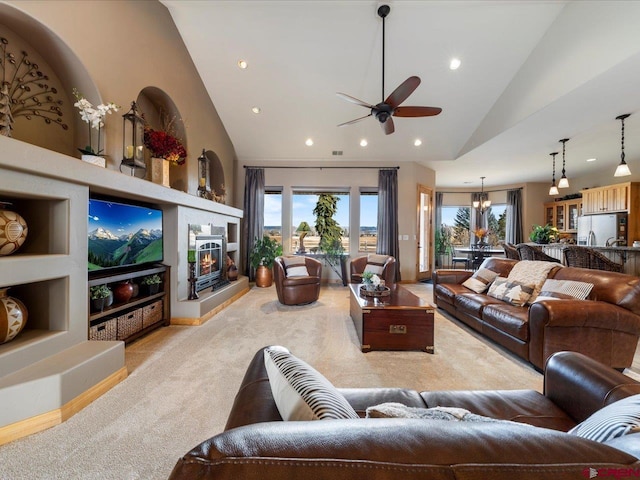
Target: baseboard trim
[
  {"x": 195, "y": 322},
  {"x": 41, "y": 422}
]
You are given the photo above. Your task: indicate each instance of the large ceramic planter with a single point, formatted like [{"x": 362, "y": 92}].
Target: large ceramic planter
[
  {"x": 264, "y": 276},
  {"x": 13, "y": 230}
]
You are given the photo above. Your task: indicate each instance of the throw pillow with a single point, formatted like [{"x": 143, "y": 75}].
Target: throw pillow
[
  {"x": 300, "y": 271},
  {"x": 376, "y": 269},
  {"x": 514, "y": 293},
  {"x": 532, "y": 272},
  {"x": 375, "y": 263},
  {"x": 293, "y": 261},
  {"x": 563, "y": 289},
  {"x": 300, "y": 391},
  {"x": 613, "y": 421},
  {"x": 398, "y": 410},
  {"x": 480, "y": 280}
]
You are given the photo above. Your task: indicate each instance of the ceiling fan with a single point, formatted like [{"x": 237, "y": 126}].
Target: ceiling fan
[{"x": 390, "y": 107}]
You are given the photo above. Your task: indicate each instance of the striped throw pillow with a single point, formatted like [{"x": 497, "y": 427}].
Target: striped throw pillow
[
  {"x": 613, "y": 421},
  {"x": 563, "y": 289},
  {"x": 480, "y": 280},
  {"x": 300, "y": 391}
]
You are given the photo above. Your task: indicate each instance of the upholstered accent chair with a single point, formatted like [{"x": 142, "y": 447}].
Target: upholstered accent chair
[
  {"x": 297, "y": 279},
  {"x": 382, "y": 265}
]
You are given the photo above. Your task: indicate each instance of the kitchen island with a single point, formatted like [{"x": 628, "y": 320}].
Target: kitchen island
[{"x": 628, "y": 256}]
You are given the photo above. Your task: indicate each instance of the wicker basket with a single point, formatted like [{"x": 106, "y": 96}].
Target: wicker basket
[
  {"x": 129, "y": 323},
  {"x": 104, "y": 331},
  {"x": 151, "y": 313}
]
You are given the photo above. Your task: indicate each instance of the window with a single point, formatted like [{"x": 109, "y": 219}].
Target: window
[
  {"x": 368, "y": 221},
  {"x": 454, "y": 229},
  {"x": 273, "y": 214},
  {"x": 303, "y": 204},
  {"x": 496, "y": 221}
]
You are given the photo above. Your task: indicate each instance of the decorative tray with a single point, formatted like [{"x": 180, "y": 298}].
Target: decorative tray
[{"x": 385, "y": 292}]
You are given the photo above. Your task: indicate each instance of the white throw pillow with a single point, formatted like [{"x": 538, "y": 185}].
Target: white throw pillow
[
  {"x": 376, "y": 269},
  {"x": 480, "y": 281},
  {"x": 293, "y": 260},
  {"x": 532, "y": 272},
  {"x": 564, "y": 289},
  {"x": 297, "y": 271},
  {"x": 613, "y": 421},
  {"x": 300, "y": 391},
  {"x": 514, "y": 293}
]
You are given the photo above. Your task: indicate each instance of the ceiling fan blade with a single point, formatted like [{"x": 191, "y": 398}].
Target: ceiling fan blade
[
  {"x": 401, "y": 93},
  {"x": 388, "y": 126},
  {"x": 354, "y": 121},
  {"x": 351, "y": 99},
  {"x": 416, "y": 111}
]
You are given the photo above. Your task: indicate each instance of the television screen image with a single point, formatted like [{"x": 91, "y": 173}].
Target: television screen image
[{"x": 123, "y": 234}]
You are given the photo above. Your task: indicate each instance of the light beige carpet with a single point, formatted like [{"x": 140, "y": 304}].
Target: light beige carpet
[{"x": 183, "y": 380}]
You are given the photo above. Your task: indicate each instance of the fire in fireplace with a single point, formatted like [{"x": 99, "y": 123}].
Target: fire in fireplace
[{"x": 211, "y": 251}]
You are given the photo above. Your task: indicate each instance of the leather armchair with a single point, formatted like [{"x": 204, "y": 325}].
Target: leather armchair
[
  {"x": 297, "y": 290},
  {"x": 388, "y": 274}
]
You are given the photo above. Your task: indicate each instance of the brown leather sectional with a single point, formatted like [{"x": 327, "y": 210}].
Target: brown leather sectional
[
  {"x": 605, "y": 327},
  {"x": 257, "y": 444}
]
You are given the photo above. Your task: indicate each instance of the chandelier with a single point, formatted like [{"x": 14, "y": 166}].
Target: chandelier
[{"x": 483, "y": 203}]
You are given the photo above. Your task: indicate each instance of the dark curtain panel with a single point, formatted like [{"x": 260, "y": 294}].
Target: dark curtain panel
[
  {"x": 513, "y": 228},
  {"x": 253, "y": 224},
  {"x": 388, "y": 216},
  {"x": 439, "y": 200}
]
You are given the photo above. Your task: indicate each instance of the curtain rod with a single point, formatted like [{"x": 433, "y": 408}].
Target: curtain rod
[
  {"x": 377, "y": 168},
  {"x": 486, "y": 191}
]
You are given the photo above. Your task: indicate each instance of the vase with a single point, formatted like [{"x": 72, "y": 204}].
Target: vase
[
  {"x": 13, "y": 230},
  {"x": 122, "y": 292},
  {"x": 232, "y": 273},
  {"x": 160, "y": 171},
  {"x": 13, "y": 316}
]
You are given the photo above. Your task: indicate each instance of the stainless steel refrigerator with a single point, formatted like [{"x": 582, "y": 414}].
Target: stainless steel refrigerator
[{"x": 598, "y": 230}]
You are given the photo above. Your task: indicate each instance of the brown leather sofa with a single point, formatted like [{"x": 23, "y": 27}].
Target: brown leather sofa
[
  {"x": 257, "y": 444},
  {"x": 388, "y": 274},
  {"x": 606, "y": 326},
  {"x": 297, "y": 290}
]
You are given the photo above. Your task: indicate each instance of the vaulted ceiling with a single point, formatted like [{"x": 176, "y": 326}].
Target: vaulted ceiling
[{"x": 532, "y": 73}]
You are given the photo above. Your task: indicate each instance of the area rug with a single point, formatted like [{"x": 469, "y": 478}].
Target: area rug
[{"x": 183, "y": 380}]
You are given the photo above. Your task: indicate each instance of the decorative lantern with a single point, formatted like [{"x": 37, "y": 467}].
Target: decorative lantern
[
  {"x": 203, "y": 175},
  {"x": 133, "y": 141}
]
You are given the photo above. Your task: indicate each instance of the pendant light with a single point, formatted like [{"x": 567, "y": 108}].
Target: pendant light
[
  {"x": 564, "y": 181},
  {"x": 484, "y": 202},
  {"x": 553, "y": 190},
  {"x": 623, "y": 169}
]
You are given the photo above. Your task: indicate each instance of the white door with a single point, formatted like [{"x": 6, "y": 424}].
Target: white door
[{"x": 425, "y": 209}]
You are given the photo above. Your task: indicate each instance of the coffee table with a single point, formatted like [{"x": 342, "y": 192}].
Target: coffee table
[{"x": 400, "y": 321}]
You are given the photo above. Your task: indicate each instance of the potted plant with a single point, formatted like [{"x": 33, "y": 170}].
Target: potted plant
[
  {"x": 151, "y": 283},
  {"x": 263, "y": 253},
  {"x": 543, "y": 234},
  {"x": 101, "y": 296}
]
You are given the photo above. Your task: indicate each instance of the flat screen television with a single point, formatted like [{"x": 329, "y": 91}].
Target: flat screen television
[{"x": 122, "y": 234}]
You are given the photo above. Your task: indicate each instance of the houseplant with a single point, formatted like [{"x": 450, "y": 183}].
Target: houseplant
[
  {"x": 151, "y": 283},
  {"x": 101, "y": 296},
  {"x": 262, "y": 256},
  {"x": 543, "y": 234},
  {"x": 94, "y": 116}
]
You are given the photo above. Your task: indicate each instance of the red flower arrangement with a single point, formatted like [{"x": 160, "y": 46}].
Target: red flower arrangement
[{"x": 164, "y": 145}]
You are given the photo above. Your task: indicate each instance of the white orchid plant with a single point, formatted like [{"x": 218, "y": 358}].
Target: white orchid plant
[
  {"x": 94, "y": 116},
  {"x": 369, "y": 278}
]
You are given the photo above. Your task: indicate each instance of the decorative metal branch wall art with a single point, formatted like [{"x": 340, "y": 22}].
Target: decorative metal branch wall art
[{"x": 25, "y": 92}]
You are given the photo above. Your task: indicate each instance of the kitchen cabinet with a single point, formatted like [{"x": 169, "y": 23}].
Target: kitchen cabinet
[
  {"x": 621, "y": 197},
  {"x": 563, "y": 214}
]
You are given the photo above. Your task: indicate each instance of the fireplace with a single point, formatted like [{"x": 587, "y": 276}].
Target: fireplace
[{"x": 211, "y": 252}]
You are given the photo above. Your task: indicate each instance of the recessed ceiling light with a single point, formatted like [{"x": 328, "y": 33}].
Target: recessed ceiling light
[
  {"x": 417, "y": 142},
  {"x": 308, "y": 142},
  {"x": 455, "y": 63},
  {"x": 242, "y": 64},
  {"x": 256, "y": 110},
  {"x": 591, "y": 159},
  {"x": 363, "y": 142}
]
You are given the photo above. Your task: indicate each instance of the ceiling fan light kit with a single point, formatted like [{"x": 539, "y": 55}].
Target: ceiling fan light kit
[
  {"x": 390, "y": 107},
  {"x": 622, "y": 169}
]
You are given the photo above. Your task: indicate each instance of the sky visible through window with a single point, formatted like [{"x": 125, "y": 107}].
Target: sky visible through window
[{"x": 303, "y": 210}]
